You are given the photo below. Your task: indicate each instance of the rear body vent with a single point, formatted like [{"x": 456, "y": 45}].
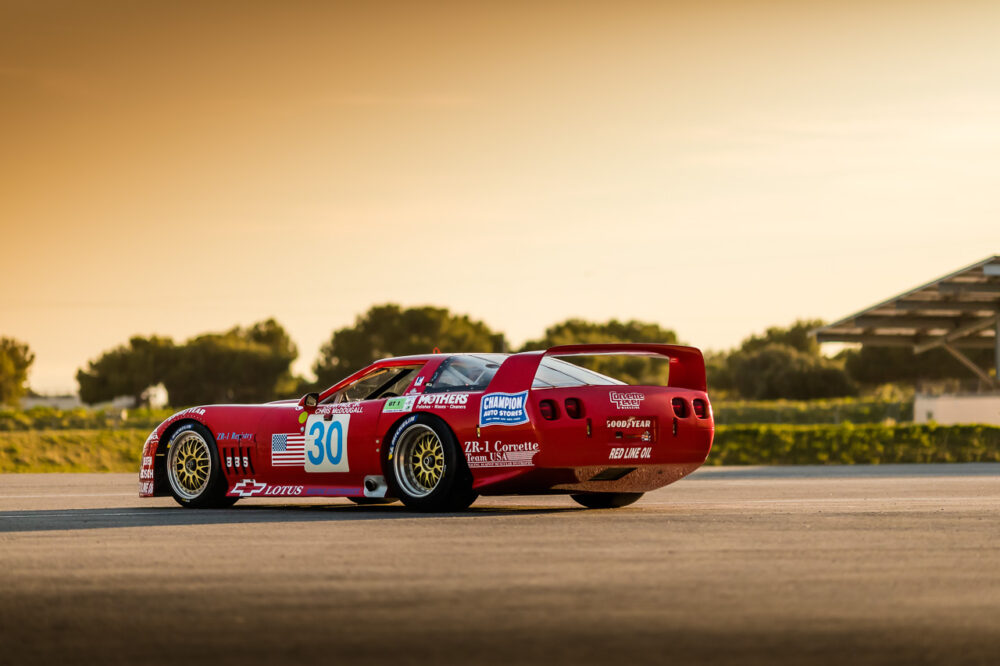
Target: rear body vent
[{"x": 612, "y": 474}]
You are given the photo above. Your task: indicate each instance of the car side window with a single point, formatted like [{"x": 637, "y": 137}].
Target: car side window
[{"x": 379, "y": 383}]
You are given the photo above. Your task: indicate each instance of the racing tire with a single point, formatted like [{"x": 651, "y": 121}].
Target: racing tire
[
  {"x": 606, "y": 500},
  {"x": 194, "y": 472},
  {"x": 425, "y": 467},
  {"x": 368, "y": 501}
]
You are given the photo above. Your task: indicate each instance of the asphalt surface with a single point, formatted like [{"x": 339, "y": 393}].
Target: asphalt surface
[{"x": 834, "y": 565}]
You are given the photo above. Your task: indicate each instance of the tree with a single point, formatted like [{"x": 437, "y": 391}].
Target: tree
[
  {"x": 15, "y": 360},
  {"x": 127, "y": 370},
  {"x": 718, "y": 374},
  {"x": 388, "y": 330},
  {"x": 631, "y": 369},
  {"x": 797, "y": 336},
  {"x": 239, "y": 365},
  {"x": 777, "y": 371},
  {"x": 781, "y": 363}
]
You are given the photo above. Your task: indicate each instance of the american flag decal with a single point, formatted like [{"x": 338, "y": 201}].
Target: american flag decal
[
  {"x": 519, "y": 458},
  {"x": 288, "y": 450}
]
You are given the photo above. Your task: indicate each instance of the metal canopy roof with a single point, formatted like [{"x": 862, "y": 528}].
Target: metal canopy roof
[{"x": 959, "y": 310}]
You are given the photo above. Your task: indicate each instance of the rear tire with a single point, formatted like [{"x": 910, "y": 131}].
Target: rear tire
[
  {"x": 425, "y": 468},
  {"x": 194, "y": 472},
  {"x": 606, "y": 500}
]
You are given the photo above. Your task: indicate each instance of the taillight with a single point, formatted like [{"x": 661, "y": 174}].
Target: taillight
[
  {"x": 549, "y": 410},
  {"x": 700, "y": 408},
  {"x": 574, "y": 408},
  {"x": 680, "y": 408}
]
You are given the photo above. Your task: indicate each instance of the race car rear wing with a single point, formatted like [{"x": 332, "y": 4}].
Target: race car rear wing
[{"x": 687, "y": 365}]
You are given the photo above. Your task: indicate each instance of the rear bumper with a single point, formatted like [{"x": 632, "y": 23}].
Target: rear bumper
[
  {"x": 592, "y": 478},
  {"x": 626, "y": 479}
]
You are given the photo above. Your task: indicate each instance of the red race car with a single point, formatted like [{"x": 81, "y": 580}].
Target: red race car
[{"x": 437, "y": 431}]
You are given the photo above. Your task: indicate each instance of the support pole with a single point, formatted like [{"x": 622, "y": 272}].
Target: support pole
[
  {"x": 957, "y": 333},
  {"x": 964, "y": 360},
  {"x": 996, "y": 357}
]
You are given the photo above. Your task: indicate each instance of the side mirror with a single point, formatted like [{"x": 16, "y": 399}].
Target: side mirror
[{"x": 309, "y": 400}]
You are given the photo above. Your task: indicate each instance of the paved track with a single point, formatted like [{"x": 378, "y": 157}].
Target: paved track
[{"x": 732, "y": 566}]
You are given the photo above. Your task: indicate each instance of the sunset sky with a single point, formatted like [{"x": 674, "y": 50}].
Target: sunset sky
[{"x": 182, "y": 167}]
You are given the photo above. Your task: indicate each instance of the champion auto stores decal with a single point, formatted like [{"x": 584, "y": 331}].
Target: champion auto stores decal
[
  {"x": 503, "y": 409},
  {"x": 500, "y": 454}
]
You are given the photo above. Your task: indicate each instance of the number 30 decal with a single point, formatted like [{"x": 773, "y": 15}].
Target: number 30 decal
[{"x": 326, "y": 443}]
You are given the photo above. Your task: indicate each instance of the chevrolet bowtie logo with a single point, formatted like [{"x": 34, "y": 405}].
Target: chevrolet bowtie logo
[{"x": 247, "y": 488}]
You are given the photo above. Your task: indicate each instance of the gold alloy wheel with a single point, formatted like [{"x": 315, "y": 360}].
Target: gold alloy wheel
[
  {"x": 419, "y": 461},
  {"x": 189, "y": 465},
  {"x": 427, "y": 460}
]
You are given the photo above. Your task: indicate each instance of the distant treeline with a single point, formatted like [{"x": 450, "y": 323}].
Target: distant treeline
[{"x": 254, "y": 364}]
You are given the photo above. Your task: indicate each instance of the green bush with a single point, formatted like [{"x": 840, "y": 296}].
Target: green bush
[
  {"x": 48, "y": 418},
  {"x": 71, "y": 450},
  {"x": 118, "y": 450},
  {"x": 844, "y": 410},
  {"x": 853, "y": 444}
]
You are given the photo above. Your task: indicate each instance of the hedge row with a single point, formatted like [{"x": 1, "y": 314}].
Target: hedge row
[
  {"x": 850, "y": 444},
  {"x": 845, "y": 410},
  {"x": 49, "y": 418},
  {"x": 71, "y": 450},
  {"x": 118, "y": 450}
]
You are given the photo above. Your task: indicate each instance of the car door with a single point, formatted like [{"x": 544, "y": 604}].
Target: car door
[{"x": 331, "y": 448}]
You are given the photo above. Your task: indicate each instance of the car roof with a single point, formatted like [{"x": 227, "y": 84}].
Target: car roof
[{"x": 430, "y": 357}]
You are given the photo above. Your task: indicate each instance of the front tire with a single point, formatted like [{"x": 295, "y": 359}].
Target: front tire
[
  {"x": 194, "y": 472},
  {"x": 606, "y": 500},
  {"x": 425, "y": 468}
]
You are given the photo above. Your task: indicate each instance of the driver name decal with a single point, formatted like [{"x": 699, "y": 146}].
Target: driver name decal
[{"x": 340, "y": 408}]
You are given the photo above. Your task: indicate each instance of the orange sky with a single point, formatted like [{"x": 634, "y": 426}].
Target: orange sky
[{"x": 175, "y": 168}]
